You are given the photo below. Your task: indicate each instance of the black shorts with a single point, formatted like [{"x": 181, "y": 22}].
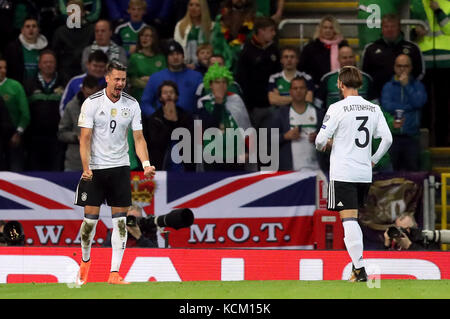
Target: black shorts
[
  {"x": 111, "y": 185},
  {"x": 347, "y": 195}
]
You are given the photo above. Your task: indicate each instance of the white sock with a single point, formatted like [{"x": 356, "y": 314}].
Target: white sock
[
  {"x": 353, "y": 241},
  {"x": 118, "y": 240},
  {"x": 87, "y": 233}
]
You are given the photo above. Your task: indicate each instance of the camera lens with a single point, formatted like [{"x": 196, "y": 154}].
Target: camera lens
[
  {"x": 131, "y": 220},
  {"x": 394, "y": 232}
]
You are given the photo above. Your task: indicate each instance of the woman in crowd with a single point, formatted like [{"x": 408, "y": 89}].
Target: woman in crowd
[
  {"x": 147, "y": 60},
  {"x": 320, "y": 56},
  {"x": 194, "y": 29}
]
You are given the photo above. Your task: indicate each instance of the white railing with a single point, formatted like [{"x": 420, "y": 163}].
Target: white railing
[{"x": 302, "y": 22}]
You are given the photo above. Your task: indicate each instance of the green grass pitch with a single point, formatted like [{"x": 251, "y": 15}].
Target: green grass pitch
[{"x": 291, "y": 289}]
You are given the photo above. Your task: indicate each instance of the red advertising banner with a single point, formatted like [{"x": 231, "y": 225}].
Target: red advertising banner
[{"x": 33, "y": 264}]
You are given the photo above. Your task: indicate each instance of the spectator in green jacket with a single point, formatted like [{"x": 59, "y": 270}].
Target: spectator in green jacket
[{"x": 16, "y": 102}]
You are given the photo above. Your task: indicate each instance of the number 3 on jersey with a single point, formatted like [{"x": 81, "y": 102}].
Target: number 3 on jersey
[
  {"x": 112, "y": 125},
  {"x": 364, "y": 129}
]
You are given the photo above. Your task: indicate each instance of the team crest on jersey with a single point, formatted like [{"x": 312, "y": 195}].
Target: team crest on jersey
[
  {"x": 126, "y": 112},
  {"x": 84, "y": 196},
  {"x": 158, "y": 64},
  {"x": 113, "y": 112}
]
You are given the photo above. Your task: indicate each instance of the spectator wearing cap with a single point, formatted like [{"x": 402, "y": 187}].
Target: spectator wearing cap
[{"x": 187, "y": 81}]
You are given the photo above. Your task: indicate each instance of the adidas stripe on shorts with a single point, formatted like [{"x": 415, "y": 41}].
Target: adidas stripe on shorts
[{"x": 346, "y": 195}]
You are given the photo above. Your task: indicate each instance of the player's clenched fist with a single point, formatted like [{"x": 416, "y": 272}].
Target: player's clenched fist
[
  {"x": 149, "y": 171},
  {"x": 87, "y": 175}
]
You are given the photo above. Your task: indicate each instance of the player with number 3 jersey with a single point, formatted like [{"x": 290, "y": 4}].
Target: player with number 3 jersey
[{"x": 348, "y": 128}]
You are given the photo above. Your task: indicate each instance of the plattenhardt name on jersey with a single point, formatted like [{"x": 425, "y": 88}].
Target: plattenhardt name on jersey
[{"x": 357, "y": 107}]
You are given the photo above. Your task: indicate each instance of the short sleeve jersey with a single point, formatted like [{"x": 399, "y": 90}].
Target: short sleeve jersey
[
  {"x": 352, "y": 123},
  {"x": 282, "y": 84},
  {"x": 109, "y": 122}
]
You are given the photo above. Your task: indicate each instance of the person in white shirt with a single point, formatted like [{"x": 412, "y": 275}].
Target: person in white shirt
[
  {"x": 104, "y": 120},
  {"x": 348, "y": 128}
]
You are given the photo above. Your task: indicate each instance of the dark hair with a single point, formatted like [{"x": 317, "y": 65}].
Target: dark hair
[
  {"x": 30, "y": 17},
  {"x": 90, "y": 81},
  {"x": 115, "y": 65},
  {"x": 263, "y": 22},
  {"x": 98, "y": 56},
  {"x": 108, "y": 22},
  {"x": 344, "y": 44},
  {"x": 248, "y": 5},
  {"x": 391, "y": 17},
  {"x": 47, "y": 51},
  {"x": 167, "y": 83},
  {"x": 351, "y": 77},
  {"x": 290, "y": 48},
  {"x": 218, "y": 55},
  {"x": 155, "y": 47},
  {"x": 299, "y": 78}
]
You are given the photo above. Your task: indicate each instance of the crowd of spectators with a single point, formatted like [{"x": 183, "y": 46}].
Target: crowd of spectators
[{"x": 217, "y": 61}]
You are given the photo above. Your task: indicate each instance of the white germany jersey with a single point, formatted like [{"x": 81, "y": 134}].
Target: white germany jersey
[
  {"x": 352, "y": 123},
  {"x": 110, "y": 123}
]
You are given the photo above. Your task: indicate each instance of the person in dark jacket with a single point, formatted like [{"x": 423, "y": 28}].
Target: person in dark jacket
[
  {"x": 68, "y": 43},
  {"x": 22, "y": 54},
  {"x": 378, "y": 57},
  {"x": 68, "y": 129},
  {"x": 259, "y": 59},
  {"x": 404, "y": 97},
  {"x": 159, "y": 126},
  {"x": 6, "y": 131},
  {"x": 408, "y": 237},
  {"x": 44, "y": 94},
  {"x": 320, "y": 56}
]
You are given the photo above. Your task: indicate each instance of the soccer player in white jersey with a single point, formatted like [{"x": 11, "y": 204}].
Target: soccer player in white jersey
[
  {"x": 348, "y": 127},
  {"x": 104, "y": 119}
]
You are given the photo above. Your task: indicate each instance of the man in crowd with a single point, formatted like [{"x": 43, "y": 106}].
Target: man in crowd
[
  {"x": 187, "y": 81},
  {"x": 298, "y": 126}
]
